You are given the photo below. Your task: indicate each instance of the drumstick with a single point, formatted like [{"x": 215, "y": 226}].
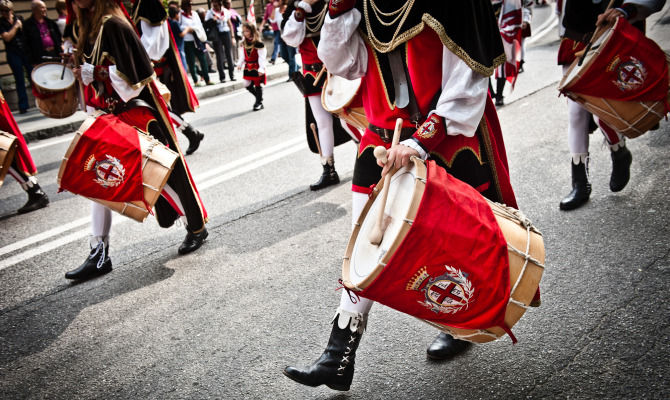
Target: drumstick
[
  {"x": 319, "y": 75},
  {"x": 316, "y": 138},
  {"x": 377, "y": 234}
]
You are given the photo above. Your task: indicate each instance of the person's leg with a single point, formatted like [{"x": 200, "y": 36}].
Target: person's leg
[
  {"x": 621, "y": 157},
  {"x": 324, "y": 123},
  {"x": 202, "y": 58},
  {"x": 578, "y": 143},
  {"x": 275, "y": 48},
  {"x": 98, "y": 261},
  {"x": 228, "y": 52},
  {"x": 189, "y": 49},
  {"x": 218, "y": 53},
  {"x": 259, "y": 97},
  {"x": 16, "y": 65},
  {"x": 36, "y": 197}
]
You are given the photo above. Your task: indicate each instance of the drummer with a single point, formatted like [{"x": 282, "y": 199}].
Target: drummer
[
  {"x": 578, "y": 22},
  {"x": 22, "y": 168},
  {"x": 448, "y": 116},
  {"x": 125, "y": 88},
  {"x": 305, "y": 36}
]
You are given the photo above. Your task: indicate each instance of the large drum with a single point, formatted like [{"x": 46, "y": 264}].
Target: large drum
[
  {"x": 425, "y": 266},
  {"x": 55, "y": 90},
  {"x": 156, "y": 165},
  {"x": 339, "y": 97},
  {"x": 8, "y": 145},
  {"x": 615, "y": 82}
]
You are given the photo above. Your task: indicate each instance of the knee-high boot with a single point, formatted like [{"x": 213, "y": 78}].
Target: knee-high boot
[
  {"x": 252, "y": 89},
  {"x": 581, "y": 188},
  {"x": 335, "y": 367},
  {"x": 500, "y": 87},
  {"x": 328, "y": 177},
  {"x": 259, "y": 98},
  {"x": 194, "y": 137}
]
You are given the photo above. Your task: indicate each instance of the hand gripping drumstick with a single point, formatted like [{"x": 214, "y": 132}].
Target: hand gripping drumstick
[
  {"x": 316, "y": 138},
  {"x": 377, "y": 234}
]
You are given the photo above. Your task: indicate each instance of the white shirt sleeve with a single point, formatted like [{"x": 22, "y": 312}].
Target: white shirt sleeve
[
  {"x": 645, "y": 8},
  {"x": 463, "y": 96},
  {"x": 122, "y": 88},
  {"x": 155, "y": 39},
  {"x": 262, "y": 59},
  {"x": 240, "y": 55},
  {"x": 341, "y": 48},
  {"x": 294, "y": 31}
]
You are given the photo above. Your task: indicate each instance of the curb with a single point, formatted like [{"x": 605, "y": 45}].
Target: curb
[{"x": 61, "y": 128}]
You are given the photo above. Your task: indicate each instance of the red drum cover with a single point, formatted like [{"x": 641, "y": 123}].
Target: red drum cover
[
  {"x": 107, "y": 162},
  {"x": 452, "y": 267}
]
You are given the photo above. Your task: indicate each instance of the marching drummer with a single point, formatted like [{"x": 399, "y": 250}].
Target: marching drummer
[
  {"x": 579, "y": 19},
  {"x": 117, "y": 74},
  {"x": 436, "y": 80}
]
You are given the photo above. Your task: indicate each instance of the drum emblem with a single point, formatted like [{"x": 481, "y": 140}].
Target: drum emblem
[
  {"x": 630, "y": 75},
  {"x": 109, "y": 172},
  {"x": 448, "y": 293}
]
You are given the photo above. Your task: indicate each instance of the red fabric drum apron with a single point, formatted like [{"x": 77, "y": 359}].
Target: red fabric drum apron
[
  {"x": 116, "y": 165},
  {"x": 450, "y": 257},
  {"x": 623, "y": 80}
]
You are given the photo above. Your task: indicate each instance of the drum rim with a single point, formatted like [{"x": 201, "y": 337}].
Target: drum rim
[
  {"x": 324, "y": 92},
  {"x": 419, "y": 189},
  {"x": 44, "y": 89},
  {"x": 563, "y": 84}
]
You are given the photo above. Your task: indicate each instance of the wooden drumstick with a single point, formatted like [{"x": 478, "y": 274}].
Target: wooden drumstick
[
  {"x": 319, "y": 75},
  {"x": 316, "y": 138},
  {"x": 377, "y": 232}
]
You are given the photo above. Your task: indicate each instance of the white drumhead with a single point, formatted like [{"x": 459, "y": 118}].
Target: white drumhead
[
  {"x": 365, "y": 256},
  {"x": 48, "y": 76},
  {"x": 593, "y": 53},
  {"x": 339, "y": 92}
]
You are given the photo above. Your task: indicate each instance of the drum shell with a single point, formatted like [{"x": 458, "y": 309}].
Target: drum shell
[
  {"x": 8, "y": 146},
  {"x": 157, "y": 164},
  {"x": 337, "y": 97},
  {"x": 516, "y": 235},
  {"x": 52, "y": 103}
]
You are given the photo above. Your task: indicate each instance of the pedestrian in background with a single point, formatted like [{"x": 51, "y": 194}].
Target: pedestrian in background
[
  {"x": 178, "y": 33},
  {"x": 221, "y": 39},
  {"x": 194, "y": 46},
  {"x": 11, "y": 30},
  {"x": 61, "y": 9},
  {"x": 287, "y": 52},
  {"x": 252, "y": 58},
  {"x": 269, "y": 16},
  {"x": 43, "y": 38}
]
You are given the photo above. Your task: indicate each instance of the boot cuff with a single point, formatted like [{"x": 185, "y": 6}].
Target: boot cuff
[
  {"x": 580, "y": 158},
  {"x": 356, "y": 322}
]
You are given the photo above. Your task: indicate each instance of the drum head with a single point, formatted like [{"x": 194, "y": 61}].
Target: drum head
[
  {"x": 366, "y": 257},
  {"x": 48, "y": 76},
  {"x": 338, "y": 93},
  {"x": 575, "y": 71}
]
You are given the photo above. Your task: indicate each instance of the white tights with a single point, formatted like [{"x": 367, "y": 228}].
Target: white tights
[{"x": 324, "y": 121}]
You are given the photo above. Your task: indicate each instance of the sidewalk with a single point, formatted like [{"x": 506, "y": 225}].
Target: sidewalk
[{"x": 36, "y": 126}]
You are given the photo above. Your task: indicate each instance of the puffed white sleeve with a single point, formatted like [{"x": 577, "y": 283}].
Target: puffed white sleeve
[
  {"x": 341, "y": 47},
  {"x": 645, "y": 8},
  {"x": 262, "y": 57},
  {"x": 294, "y": 31},
  {"x": 463, "y": 96},
  {"x": 155, "y": 39},
  {"x": 240, "y": 55},
  {"x": 122, "y": 88}
]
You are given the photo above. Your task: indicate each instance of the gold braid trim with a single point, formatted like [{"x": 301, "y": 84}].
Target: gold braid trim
[
  {"x": 436, "y": 26},
  {"x": 137, "y": 85}
]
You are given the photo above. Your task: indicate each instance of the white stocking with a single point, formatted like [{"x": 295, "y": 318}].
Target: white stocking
[
  {"x": 101, "y": 223},
  {"x": 324, "y": 121}
]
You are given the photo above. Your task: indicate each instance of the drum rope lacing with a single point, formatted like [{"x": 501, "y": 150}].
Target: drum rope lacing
[
  {"x": 630, "y": 126},
  {"x": 526, "y": 223}
]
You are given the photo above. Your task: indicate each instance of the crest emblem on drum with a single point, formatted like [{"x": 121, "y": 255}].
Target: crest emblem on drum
[
  {"x": 447, "y": 293},
  {"x": 630, "y": 75},
  {"x": 109, "y": 172}
]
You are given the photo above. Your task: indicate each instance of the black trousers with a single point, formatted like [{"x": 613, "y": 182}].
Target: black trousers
[{"x": 224, "y": 48}]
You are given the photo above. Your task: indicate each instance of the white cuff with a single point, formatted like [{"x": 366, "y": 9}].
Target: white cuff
[
  {"x": 413, "y": 144},
  {"x": 305, "y": 6},
  {"x": 87, "y": 73}
]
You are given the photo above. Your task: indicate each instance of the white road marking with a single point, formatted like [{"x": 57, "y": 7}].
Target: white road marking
[{"x": 547, "y": 27}]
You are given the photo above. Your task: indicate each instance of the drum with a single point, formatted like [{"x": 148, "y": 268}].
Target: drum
[
  {"x": 156, "y": 166},
  {"x": 338, "y": 97},
  {"x": 605, "y": 67},
  {"x": 382, "y": 274},
  {"x": 55, "y": 97},
  {"x": 8, "y": 145}
]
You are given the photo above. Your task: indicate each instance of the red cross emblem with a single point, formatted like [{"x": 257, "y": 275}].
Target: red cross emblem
[
  {"x": 109, "y": 172},
  {"x": 631, "y": 75},
  {"x": 446, "y": 293}
]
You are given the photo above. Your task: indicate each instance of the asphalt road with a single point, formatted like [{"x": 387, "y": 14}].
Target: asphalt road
[{"x": 224, "y": 321}]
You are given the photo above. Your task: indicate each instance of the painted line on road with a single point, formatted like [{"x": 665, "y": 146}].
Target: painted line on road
[
  {"x": 235, "y": 168},
  {"x": 52, "y": 142},
  {"x": 550, "y": 25}
]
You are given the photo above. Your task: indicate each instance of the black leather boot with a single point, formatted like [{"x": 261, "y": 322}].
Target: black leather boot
[
  {"x": 621, "y": 160},
  {"x": 193, "y": 241},
  {"x": 194, "y": 137},
  {"x": 445, "y": 347},
  {"x": 97, "y": 263},
  {"x": 329, "y": 176},
  {"x": 581, "y": 188},
  {"x": 500, "y": 87},
  {"x": 36, "y": 198},
  {"x": 259, "y": 99},
  {"x": 335, "y": 367}
]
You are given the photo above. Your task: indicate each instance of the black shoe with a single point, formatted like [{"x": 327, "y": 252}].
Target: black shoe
[
  {"x": 581, "y": 188},
  {"x": 193, "y": 241},
  {"x": 222, "y": 81},
  {"x": 500, "y": 102},
  {"x": 194, "y": 138},
  {"x": 329, "y": 176},
  {"x": 258, "y": 106},
  {"x": 23, "y": 111},
  {"x": 445, "y": 347},
  {"x": 335, "y": 367},
  {"x": 621, "y": 160},
  {"x": 36, "y": 199},
  {"x": 97, "y": 263}
]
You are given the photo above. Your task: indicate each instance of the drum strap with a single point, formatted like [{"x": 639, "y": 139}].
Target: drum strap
[{"x": 134, "y": 103}]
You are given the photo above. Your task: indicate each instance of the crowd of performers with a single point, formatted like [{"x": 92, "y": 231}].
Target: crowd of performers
[{"x": 432, "y": 68}]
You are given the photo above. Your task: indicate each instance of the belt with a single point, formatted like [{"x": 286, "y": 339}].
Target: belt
[
  {"x": 313, "y": 67},
  {"x": 386, "y": 135}
]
